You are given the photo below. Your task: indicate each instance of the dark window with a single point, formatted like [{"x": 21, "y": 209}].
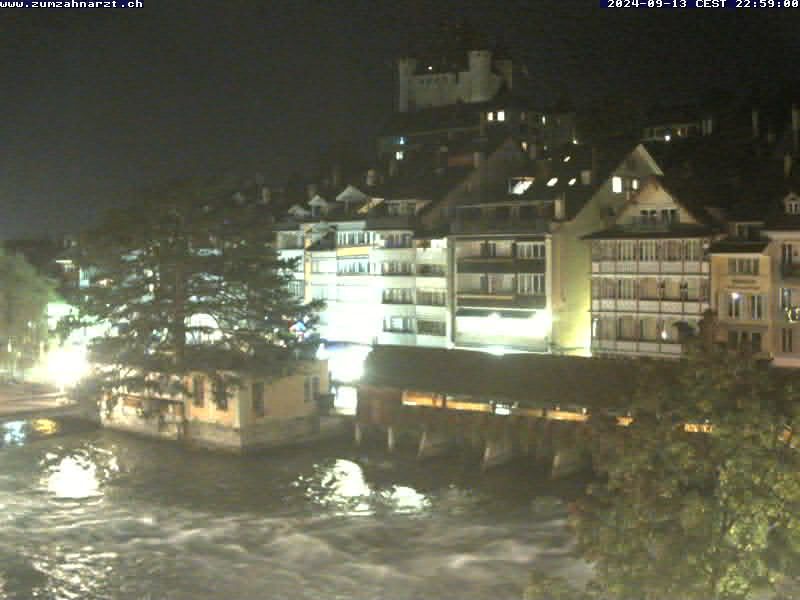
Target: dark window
[
  {"x": 220, "y": 394},
  {"x": 257, "y": 394},
  {"x": 733, "y": 339},
  {"x": 755, "y": 341},
  {"x": 502, "y": 213},
  {"x": 199, "y": 391}
]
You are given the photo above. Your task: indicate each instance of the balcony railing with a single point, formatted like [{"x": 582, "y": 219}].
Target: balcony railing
[
  {"x": 431, "y": 271},
  {"x": 397, "y": 301},
  {"x": 790, "y": 270}
]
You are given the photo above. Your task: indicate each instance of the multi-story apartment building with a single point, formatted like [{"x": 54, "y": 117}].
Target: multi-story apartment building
[
  {"x": 381, "y": 283},
  {"x": 520, "y": 265},
  {"x": 650, "y": 272},
  {"x": 742, "y": 295},
  {"x": 782, "y": 302}
]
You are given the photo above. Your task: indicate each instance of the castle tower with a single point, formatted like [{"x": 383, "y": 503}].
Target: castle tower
[
  {"x": 405, "y": 71},
  {"x": 480, "y": 70}
]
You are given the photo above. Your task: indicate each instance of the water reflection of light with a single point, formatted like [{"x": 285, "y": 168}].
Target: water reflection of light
[
  {"x": 73, "y": 478},
  {"x": 408, "y": 499},
  {"x": 13, "y": 433},
  {"x": 345, "y": 484},
  {"x": 44, "y": 426}
]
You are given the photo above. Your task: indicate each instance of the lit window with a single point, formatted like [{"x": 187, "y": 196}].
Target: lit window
[
  {"x": 572, "y": 181},
  {"x": 399, "y": 155},
  {"x": 544, "y": 120},
  {"x": 501, "y": 115},
  {"x": 524, "y": 146},
  {"x": 430, "y": 67},
  {"x": 635, "y": 184},
  {"x": 519, "y": 186},
  {"x": 490, "y": 116},
  {"x": 567, "y": 158},
  {"x": 616, "y": 184},
  {"x": 401, "y": 141},
  {"x": 667, "y": 137}
]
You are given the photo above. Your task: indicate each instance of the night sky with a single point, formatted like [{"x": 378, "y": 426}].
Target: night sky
[{"x": 95, "y": 104}]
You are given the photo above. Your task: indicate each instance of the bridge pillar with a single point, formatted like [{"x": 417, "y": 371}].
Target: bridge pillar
[
  {"x": 433, "y": 443},
  {"x": 499, "y": 450},
  {"x": 543, "y": 442},
  {"x": 570, "y": 456},
  {"x": 358, "y": 434}
]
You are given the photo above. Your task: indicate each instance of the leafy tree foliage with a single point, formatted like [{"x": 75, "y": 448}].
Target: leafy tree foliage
[
  {"x": 708, "y": 515},
  {"x": 187, "y": 280},
  {"x": 24, "y": 295}
]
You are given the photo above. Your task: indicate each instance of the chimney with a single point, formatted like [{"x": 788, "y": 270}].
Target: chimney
[
  {"x": 795, "y": 127},
  {"x": 787, "y": 165},
  {"x": 560, "y": 207}
]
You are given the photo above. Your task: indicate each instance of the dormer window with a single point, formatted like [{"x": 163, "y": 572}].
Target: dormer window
[
  {"x": 399, "y": 155},
  {"x": 793, "y": 207}
]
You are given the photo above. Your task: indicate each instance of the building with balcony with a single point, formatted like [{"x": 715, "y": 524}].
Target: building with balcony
[
  {"x": 782, "y": 231},
  {"x": 520, "y": 265},
  {"x": 742, "y": 295},
  {"x": 651, "y": 273},
  {"x": 381, "y": 281}
]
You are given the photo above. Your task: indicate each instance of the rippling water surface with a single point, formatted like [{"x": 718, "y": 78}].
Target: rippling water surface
[{"x": 92, "y": 514}]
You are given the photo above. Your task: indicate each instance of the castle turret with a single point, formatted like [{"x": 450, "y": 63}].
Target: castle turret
[
  {"x": 480, "y": 70},
  {"x": 405, "y": 71}
]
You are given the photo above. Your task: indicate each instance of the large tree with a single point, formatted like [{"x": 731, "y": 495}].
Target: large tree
[
  {"x": 24, "y": 295},
  {"x": 706, "y": 514},
  {"x": 186, "y": 279}
]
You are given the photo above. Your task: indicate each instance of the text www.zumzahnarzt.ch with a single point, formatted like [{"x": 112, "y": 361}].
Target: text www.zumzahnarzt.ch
[{"x": 71, "y": 4}]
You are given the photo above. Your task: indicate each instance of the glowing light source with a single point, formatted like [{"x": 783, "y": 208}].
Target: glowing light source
[
  {"x": 345, "y": 364},
  {"x": 567, "y": 158},
  {"x": 541, "y": 323},
  {"x": 572, "y": 181},
  {"x": 67, "y": 365},
  {"x": 552, "y": 181}
]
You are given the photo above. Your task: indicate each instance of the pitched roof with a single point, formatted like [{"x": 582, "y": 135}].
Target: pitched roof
[
  {"x": 732, "y": 246},
  {"x": 530, "y": 379}
]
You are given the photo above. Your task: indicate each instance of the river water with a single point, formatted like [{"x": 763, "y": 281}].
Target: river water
[{"x": 89, "y": 514}]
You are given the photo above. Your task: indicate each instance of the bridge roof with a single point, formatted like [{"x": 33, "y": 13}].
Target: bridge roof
[{"x": 532, "y": 380}]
